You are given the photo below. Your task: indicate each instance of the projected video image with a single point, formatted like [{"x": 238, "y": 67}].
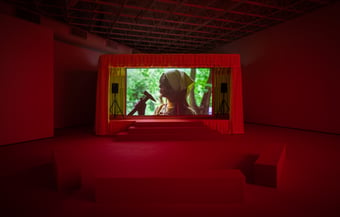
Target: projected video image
[{"x": 168, "y": 91}]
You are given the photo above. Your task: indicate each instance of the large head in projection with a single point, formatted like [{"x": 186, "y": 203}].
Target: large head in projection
[{"x": 174, "y": 87}]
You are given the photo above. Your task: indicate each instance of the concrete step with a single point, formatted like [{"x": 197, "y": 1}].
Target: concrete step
[
  {"x": 168, "y": 123},
  {"x": 180, "y": 130},
  {"x": 190, "y": 136}
]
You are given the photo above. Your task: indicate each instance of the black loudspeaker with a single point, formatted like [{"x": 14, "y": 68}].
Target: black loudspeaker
[
  {"x": 114, "y": 87},
  {"x": 224, "y": 87}
]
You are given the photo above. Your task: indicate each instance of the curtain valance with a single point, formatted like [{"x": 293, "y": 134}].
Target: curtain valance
[{"x": 170, "y": 60}]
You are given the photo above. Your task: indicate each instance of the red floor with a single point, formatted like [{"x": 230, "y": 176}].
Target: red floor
[{"x": 309, "y": 184}]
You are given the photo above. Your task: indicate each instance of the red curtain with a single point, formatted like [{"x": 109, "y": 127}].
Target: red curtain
[
  {"x": 102, "y": 111},
  {"x": 232, "y": 61},
  {"x": 236, "y": 122}
]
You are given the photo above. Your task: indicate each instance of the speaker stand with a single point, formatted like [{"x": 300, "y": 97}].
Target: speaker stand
[
  {"x": 114, "y": 107},
  {"x": 224, "y": 108}
]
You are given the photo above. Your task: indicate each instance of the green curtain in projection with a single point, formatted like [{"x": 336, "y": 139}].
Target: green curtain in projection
[
  {"x": 117, "y": 79},
  {"x": 221, "y": 75}
]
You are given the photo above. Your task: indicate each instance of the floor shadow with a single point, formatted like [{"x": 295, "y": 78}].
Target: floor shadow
[{"x": 246, "y": 166}]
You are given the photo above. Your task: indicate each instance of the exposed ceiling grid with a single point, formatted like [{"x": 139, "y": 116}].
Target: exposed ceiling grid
[{"x": 172, "y": 26}]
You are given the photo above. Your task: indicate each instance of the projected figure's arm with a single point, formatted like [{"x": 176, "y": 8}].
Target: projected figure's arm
[
  {"x": 139, "y": 107},
  {"x": 141, "y": 104}
]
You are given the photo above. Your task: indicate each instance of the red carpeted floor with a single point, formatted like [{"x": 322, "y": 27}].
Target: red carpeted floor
[{"x": 309, "y": 184}]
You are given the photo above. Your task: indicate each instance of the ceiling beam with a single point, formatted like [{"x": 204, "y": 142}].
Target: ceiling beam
[
  {"x": 116, "y": 17},
  {"x": 143, "y": 40},
  {"x": 167, "y": 12},
  {"x": 72, "y": 3},
  {"x": 148, "y": 25},
  {"x": 146, "y": 18},
  {"x": 229, "y": 33},
  {"x": 161, "y": 46},
  {"x": 319, "y": 1},
  {"x": 198, "y": 26},
  {"x": 221, "y": 9},
  {"x": 93, "y": 15},
  {"x": 152, "y": 37},
  {"x": 218, "y": 15},
  {"x": 152, "y": 47},
  {"x": 147, "y": 31},
  {"x": 269, "y": 6},
  {"x": 143, "y": 11},
  {"x": 169, "y": 28},
  {"x": 177, "y": 7}
]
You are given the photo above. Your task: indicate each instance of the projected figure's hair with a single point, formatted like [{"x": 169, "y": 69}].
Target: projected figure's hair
[{"x": 174, "y": 86}]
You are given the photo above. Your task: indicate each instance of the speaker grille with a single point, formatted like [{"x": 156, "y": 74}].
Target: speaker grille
[
  {"x": 114, "y": 88},
  {"x": 224, "y": 87}
]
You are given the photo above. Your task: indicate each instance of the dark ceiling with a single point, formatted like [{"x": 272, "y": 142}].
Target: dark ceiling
[{"x": 172, "y": 26}]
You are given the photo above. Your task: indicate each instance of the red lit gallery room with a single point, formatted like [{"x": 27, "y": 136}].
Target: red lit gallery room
[{"x": 164, "y": 108}]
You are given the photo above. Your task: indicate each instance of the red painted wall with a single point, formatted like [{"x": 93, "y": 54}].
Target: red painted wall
[
  {"x": 54, "y": 84},
  {"x": 291, "y": 72},
  {"x": 75, "y": 69},
  {"x": 26, "y": 81},
  {"x": 75, "y": 84}
]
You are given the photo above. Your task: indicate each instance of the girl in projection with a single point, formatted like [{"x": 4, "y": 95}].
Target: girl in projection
[{"x": 174, "y": 86}]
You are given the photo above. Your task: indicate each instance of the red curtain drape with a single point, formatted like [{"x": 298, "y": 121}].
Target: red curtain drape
[
  {"x": 236, "y": 121},
  {"x": 232, "y": 61},
  {"x": 102, "y": 111}
]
